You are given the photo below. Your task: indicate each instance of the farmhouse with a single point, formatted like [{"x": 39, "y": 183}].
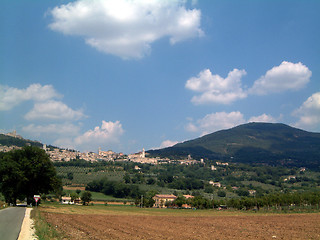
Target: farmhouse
[
  {"x": 66, "y": 200},
  {"x": 69, "y": 200},
  {"x": 160, "y": 200},
  {"x": 215, "y": 184}
]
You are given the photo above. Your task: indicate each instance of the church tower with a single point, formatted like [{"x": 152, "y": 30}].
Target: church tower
[{"x": 143, "y": 155}]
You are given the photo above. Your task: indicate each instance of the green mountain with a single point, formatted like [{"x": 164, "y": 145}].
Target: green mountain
[
  {"x": 266, "y": 143},
  {"x": 6, "y": 140}
]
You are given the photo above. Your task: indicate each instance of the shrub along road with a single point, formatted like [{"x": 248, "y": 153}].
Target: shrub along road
[{"x": 10, "y": 222}]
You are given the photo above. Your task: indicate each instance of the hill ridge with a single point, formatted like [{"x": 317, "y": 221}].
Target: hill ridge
[{"x": 268, "y": 143}]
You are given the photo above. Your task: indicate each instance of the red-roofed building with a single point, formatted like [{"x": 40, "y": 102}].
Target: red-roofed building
[{"x": 160, "y": 200}]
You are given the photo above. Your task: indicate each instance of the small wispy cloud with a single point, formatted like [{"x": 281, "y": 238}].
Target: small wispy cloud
[
  {"x": 216, "y": 121},
  {"x": 223, "y": 120}
]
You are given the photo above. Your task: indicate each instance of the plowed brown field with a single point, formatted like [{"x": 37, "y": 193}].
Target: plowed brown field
[{"x": 95, "y": 226}]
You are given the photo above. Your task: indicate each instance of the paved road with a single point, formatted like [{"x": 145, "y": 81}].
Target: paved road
[{"x": 10, "y": 222}]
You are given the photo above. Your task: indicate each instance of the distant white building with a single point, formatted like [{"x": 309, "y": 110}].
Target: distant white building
[
  {"x": 213, "y": 168},
  {"x": 66, "y": 200},
  {"x": 215, "y": 184},
  {"x": 141, "y": 158},
  {"x": 222, "y": 164}
]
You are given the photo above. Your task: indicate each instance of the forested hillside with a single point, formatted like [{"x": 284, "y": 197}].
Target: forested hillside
[
  {"x": 12, "y": 141},
  {"x": 267, "y": 143}
]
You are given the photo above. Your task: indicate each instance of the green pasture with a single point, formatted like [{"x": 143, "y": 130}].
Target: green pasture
[
  {"x": 97, "y": 196},
  {"x": 133, "y": 210}
]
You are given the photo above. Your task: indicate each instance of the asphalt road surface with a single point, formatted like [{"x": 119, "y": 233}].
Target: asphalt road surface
[{"x": 10, "y": 222}]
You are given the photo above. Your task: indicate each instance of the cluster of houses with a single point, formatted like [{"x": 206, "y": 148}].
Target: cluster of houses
[{"x": 57, "y": 154}]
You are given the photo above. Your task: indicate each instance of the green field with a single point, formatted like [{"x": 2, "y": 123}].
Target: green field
[{"x": 133, "y": 210}]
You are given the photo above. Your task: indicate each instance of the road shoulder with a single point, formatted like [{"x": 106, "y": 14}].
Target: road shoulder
[{"x": 27, "y": 229}]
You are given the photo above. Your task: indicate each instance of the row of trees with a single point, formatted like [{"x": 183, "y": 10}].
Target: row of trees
[
  {"x": 277, "y": 201},
  {"x": 25, "y": 173},
  {"x": 116, "y": 189}
]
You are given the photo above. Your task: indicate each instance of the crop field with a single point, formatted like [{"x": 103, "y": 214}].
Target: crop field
[{"x": 129, "y": 222}]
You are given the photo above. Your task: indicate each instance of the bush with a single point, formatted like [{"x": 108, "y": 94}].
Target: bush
[{"x": 222, "y": 193}]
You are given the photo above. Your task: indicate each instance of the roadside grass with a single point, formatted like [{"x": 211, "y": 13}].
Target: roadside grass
[
  {"x": 43, "y": 229},
  {"x": 3, "y": 205}
]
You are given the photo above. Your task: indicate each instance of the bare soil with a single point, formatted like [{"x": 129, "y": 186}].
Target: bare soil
[{"x": 94, "y": 226}]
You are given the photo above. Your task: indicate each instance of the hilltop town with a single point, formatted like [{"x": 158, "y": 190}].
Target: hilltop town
[{"x": 60, "y": 154}]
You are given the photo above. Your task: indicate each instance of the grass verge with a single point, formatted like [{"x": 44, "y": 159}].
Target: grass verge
[{"x": 44, "y": 230}]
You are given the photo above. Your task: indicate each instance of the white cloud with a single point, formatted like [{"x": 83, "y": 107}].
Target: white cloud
[
  {"x": 309, "y": 113},
  {"x": 127, "y": 28},
  {"x": 11, "y": 97},
  {"x": 53, "y": 110},
  {"x": 286, "y": 76},
  {"x": 54, "y": 130},
  {"x": 168, "y": 143},
  {"x": 67, "y": 135},
  {"x": 216, "y": 121},
  {"x": 263, "y": 118},
  {"x": 215, "y": 89},
  {"x": 64, "y": 143},
  {"x": 109, "y": 132},
  {"x": 222, "y": 120}
]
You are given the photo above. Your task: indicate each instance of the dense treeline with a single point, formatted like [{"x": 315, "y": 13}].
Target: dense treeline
[
  {"x": 116, "y": 189},
  {"x": 277, "y": 201}
]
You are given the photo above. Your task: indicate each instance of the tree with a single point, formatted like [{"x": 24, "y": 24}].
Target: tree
[
  {"x": 179, "y": 201},
  {"x": 127, "y": 178},
  {"x": 26, "y": 172},
  {"x": 73, "y": 196},
  {"x": 70, "y": 175},
  {"x": 86, "y": 197},
  {"x": 221, "y": 193},
  {"x": 151, "y": 181}
]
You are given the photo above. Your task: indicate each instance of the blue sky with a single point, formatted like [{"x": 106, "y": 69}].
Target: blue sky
[{"x": 126, "y": 75}]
